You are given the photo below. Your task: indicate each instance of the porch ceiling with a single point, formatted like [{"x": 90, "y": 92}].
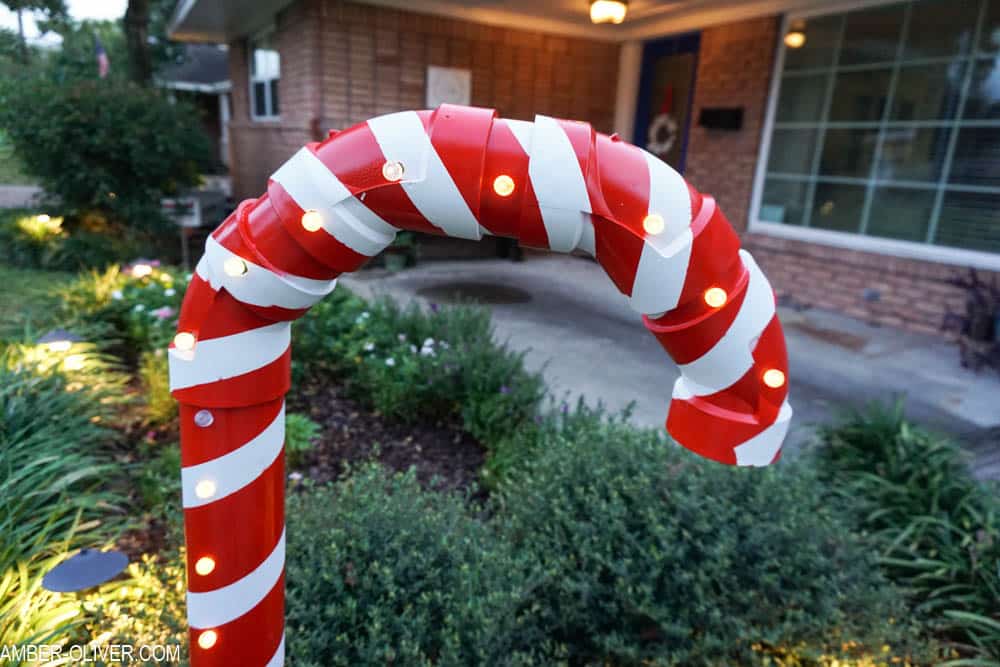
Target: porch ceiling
[{"x": 221, "y": 20}]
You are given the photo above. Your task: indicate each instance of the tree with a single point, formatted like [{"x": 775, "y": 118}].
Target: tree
[
  {"x": 52, "y": 8},
  {"x": 140, "y": 61}
]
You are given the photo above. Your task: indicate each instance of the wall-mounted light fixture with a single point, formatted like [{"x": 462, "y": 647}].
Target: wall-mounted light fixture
[
  {"x": 608, "y": 11},
  {"x": 796, "y": 36}
]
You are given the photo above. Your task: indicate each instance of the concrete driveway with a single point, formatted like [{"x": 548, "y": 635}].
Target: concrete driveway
[{"x": 580, "y": 332}]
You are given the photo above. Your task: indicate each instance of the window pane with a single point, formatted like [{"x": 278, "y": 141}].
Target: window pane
[
  {"x": 990, "y": 39},
  {"x": 274, "y": 97},
  {"x": 872, "y": 36},
  {"x": 984, "y": 91},
  {"x": 928, "y": 92},
  {"x": 821, "y": 40},
  {"x": 860, "y": 96},
  {"x": 969, "y": 220},
  {"x": 838, "y": 207},
  {"x": 910, "y": 154},
  {"x": 848, "y": 153},
  {"x": 941, "y": 28},
  {"x": 783, "y": 201},
  {"x": 792, "y": 151},
  {"x": 901, "y": 213},
  {"x": 801, "y": 98},
  {"x": 259, "y": 99},
  {"x": 977, "y": 157}
]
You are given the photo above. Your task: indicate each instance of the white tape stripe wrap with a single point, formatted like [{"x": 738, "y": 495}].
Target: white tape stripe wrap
[
  {"x": 732, "y": 356},
  {"x": 221, "y": 358},
  {"x": 235, "y": 470},
  {"x": 426, "y": 181},
  {"x": 559, "y": 185},
  {"x": 522, "y": 131},
  {"x": 278, "y": 658},
  {"x": 761, "y": 449},
  {"x": 659, "y": 278},
  {"x": 313, "y": 186},
  {"x": 214, "y": 608},
  {"x": 259, "y": 286}
]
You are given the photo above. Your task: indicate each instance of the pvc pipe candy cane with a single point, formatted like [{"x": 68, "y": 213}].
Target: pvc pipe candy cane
[{"x": 462, "y": 172}]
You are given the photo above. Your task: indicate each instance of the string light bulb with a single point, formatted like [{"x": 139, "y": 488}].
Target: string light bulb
[
  {"x": 205, "y": 489},
  {"x": 393, "y": 171},
  {"x": 503, "y": 185},
  {"x": 653, "y": 223},
  {"x": 312, "y": 220},
  {"x": 207, "y": 639},
  {"x": 205, "y": 565},
  {"x": 716, "y": 297},
  {"x": 235, "y": 267},
  {"x": 184, "y": 341},
  {"x": 774, "y": 378}
]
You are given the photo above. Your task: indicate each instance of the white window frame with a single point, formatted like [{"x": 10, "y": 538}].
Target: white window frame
[
  {"x": 848, "y": 240},
  {"x": 268, "y": 102}
]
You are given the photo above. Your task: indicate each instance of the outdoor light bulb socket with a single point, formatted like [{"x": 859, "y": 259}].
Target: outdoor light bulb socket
[{"x": 608, "y": 11}]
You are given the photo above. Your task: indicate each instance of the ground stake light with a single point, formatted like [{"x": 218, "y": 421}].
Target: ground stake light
[{"x": 461, "y": 172}]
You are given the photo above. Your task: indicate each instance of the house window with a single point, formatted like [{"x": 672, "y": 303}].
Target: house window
[
  {"x": 265, "y": 72},
  {"x": 887, "y": 124}
]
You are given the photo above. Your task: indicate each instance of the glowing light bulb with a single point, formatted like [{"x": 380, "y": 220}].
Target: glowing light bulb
[
  {"x": 774, "y": 378},
  {"x": 204, "y": 418},
  {"x": 795, "y": 39},
  {"x": 184, "y": 341},
  {"x": 653, "y": 223},
  {"x": 141, "y": 270},
  {"x": 205, "y": 488},
  {"x": 716, "y": 297},
  {"x": 235, "y": 267},
  {"x": 393, "y": 171},
  {"x": 44, "y": 217},
  {"x": 608, "y": 11},
  {"x": 205, "y": 565},
  {"x": 312, "y": 220},
  {"x": 208, "y": 638},
  {"x": 74, "y": 362},
  {"x": 503, "y": 185}
]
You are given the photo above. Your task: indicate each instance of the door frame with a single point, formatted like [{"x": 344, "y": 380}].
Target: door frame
[{"x": 652, "y": 50}]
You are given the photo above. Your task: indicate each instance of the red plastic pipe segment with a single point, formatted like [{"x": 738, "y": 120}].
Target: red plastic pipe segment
[{"x": 462, "y": 172}]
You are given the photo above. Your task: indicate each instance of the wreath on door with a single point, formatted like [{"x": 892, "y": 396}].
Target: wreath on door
[{"x": 663, "y": 128}]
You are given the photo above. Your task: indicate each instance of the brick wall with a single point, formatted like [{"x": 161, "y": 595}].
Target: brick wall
[
  {"x": 373, "y": 60},
  {"x": 735, "y": 62}
]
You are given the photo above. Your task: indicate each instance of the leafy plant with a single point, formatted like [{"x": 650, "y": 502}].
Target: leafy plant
[
  {"x": 937, "y": 528},
  {"x": 300, "y": 436}
]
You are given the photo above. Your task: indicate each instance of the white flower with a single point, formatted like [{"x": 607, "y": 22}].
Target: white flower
[
  {"x": 429, "y": 342},
  {"x": 413, "y": 349},
  {"x": 369, "y": 346},
  {"x": 295, "y": 476},
  {"x": 445, "y": 345},
  {"x": 139, "y": 308},
  {"x": 169, "y": 291},
  {"x": 427, "y": 352},
  {"x": 365, "y": 315},
  {"x": 117, "y": 295},
  {"x": 188, "y": 276},
  {"x": 390, "y": 362},
  {"x": 402, "y": 338}
]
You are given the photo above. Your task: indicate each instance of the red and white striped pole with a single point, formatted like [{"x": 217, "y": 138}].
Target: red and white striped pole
[{"x": 462, "y": 172}]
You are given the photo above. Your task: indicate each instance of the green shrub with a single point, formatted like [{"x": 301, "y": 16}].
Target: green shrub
[
  {"x": 37, "y": 240},
  {"x": 108, "y": 149},
  {"x": 647, "y": 555},
  {"x": 161, "y": 408},
  {"x": 938, "y": 528},
  {"x": 381, "y": 573},
  {"x": 300, "y": 436}
]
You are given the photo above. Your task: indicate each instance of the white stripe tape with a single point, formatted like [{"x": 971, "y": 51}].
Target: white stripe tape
[
  {"x": 278, "y": 658},
  {"x": 214, "y": 608},
  {"x": 732, "y": 356},
  {"x": 559, "y": 185},
  {"x": 259, "y": 286},
  {"x": 761, "y": 449},
  {"x": 314, "y": 187},
  {"x": 231, "y": 472},
  {"x": 228, "y": 356},
  {"x": 659, "y": 278},
  {"x": 522, "y": 131},
  {"x": 669, "y": 198},
  {"x": 426, "y": 180}
]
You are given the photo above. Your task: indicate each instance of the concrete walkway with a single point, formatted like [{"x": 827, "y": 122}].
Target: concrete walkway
[{"x": 579, "y": 330}]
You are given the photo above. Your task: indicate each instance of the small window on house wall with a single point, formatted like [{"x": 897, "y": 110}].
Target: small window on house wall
[{"x": 265, "y": 72}]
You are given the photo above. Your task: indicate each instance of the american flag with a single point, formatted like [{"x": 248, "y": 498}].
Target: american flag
[{"x": 103, "y": 64}]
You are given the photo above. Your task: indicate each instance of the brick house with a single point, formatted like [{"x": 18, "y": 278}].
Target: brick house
[{"x": 855, "y": 143}]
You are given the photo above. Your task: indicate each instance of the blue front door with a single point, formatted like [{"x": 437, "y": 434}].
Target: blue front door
[{"x": 666, "y": 90}]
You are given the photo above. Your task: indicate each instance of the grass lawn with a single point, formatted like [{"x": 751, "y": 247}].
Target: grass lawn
[
  {"x": 28, "y": 299},
  {"x": 11, "y": 172}
]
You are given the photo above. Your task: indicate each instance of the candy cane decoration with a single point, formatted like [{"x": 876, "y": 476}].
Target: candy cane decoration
[{"x": 462, "y": 172}]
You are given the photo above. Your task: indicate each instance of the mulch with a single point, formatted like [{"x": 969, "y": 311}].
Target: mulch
[{"x": 445, "y": 457}]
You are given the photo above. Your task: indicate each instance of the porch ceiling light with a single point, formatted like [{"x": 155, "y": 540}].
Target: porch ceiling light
[
  {"x": 795, "y": 38},
  {"x": 608, "y": 11}
]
